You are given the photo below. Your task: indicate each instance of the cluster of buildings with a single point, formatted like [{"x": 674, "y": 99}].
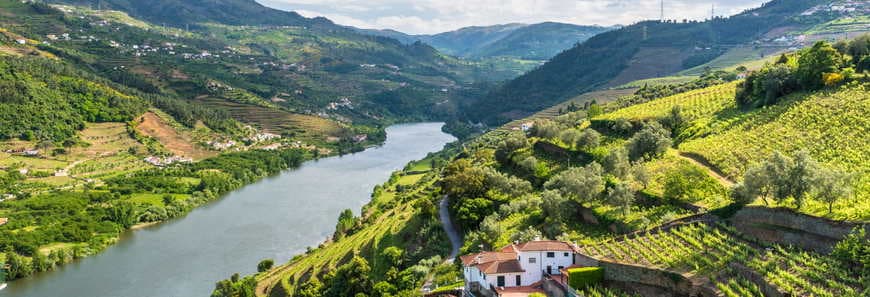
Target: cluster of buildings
[
  {"x": 25, "y": 152},
  {"x": 262, "y": 137},
  {"x": 343, "y": 102},
  {"x": 222, "y": 145},
  {"x": 166, "y": 161},
  {"x": 845, "y": 7}
]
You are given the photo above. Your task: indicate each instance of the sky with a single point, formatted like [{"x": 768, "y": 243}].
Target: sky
[{"x": 436, "y": 16}]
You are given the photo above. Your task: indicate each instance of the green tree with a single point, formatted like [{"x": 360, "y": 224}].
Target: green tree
[
  {"x": 648, "y": 143},
  {"x": 123, "y": 214},
  {"x": 393, "y": 255},
  {"x": 777, "y": 169},
  {"x": 555, "y": 206},
  {"x": 755, "y": 184},
  {"x": 821, "y": 58},
  {"x": 617, "y": 164},
  {"x": 640, "y": 174},
  {"x": 546, "y": 129},
  {"x": 570, "y": 137},
  {"x": 265, "y": 265},
  {"x": 346, "y": 222},
  {"x": 831, "y": 186},
  {"x": 349, "y": 279},
  {"x": 621, "y": 195},
  {"x": 511, "y": 143},
  {"x": 588, "y": 139},
  {"x": 675, "y": 121},
  {"x": 802, "y": 177},
  {"x": 491, "y": 230},
  {"x": 311, "y": 288},
  {"x": 580, "y": 183},
  {"x": 594, "y": 110}
]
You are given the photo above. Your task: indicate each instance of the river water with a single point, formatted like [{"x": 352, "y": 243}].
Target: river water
[{"x": 276, "y": 218}]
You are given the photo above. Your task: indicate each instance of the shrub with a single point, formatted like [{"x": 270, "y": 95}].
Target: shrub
[
  {"x": 582, "y": 277},
  {"x": 265, "y": 265}
]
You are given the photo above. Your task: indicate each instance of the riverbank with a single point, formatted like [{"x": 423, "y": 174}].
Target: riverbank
[{"x": 274, "y": 217}]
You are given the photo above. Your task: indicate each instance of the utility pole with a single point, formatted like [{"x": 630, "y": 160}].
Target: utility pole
[
  {"x": 662, "y": 18},
  {"x": 712, "y": 11}
]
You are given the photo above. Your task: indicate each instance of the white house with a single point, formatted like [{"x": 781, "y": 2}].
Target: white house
[{"x": 516, "y": 265}]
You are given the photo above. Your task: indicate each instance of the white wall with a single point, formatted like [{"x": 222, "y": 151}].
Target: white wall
[
  {"x": 472, "y": 274},
  {"x": 534, "y": 271}
]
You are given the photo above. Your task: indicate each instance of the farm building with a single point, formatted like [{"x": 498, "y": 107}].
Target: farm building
[{"x": 517, "y": 268}]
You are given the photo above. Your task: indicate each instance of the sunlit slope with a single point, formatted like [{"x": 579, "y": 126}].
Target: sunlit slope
[{"x": 831, "y": 125}]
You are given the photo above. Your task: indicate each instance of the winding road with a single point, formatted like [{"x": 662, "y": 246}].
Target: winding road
[{"x": 455, "y": 239}]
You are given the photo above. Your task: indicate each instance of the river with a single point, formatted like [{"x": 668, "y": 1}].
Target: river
[{"x": 276, "y": 218}]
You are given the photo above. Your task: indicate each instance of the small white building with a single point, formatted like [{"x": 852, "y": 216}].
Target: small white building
[{"x": 516, "y": 265}]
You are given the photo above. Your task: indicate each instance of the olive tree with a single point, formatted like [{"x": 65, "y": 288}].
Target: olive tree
[{"x": 579, "y": 183}]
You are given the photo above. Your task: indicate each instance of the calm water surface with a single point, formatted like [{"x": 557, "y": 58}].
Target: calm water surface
[{"x": 275, "y": 218}]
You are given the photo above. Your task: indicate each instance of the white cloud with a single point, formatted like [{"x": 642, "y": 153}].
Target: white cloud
[{"x": 433, "y": 16}]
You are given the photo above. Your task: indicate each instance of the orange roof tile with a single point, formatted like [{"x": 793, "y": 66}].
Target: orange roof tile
[
  {"x": 493, "y": 262},
  {"x": 545, "y": 245}
]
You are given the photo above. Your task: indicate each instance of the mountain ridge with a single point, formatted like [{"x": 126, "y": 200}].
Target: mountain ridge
[{"x": 538, "y": 41}]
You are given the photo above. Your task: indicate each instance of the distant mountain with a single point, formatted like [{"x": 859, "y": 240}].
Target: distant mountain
[
  {"x": 643, "y": 50},
  {"x": 180, "y": 13},
  {"x": 535, "y": 42}
]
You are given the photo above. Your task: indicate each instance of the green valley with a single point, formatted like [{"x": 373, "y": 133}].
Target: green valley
[{"x": 153, "y": 148}]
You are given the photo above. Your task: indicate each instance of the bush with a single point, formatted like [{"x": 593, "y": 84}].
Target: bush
[
  {"x": 265, "y": 265},
  {"x": 579, "y": 278}
]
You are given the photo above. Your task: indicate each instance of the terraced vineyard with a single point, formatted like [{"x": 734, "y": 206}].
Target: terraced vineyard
[
  {"x": 277, "y": 121},
  {"x": 708, "y": 250},
  {"x": 699, "y": 248},
  {"x": 802, "y": 273},
  {"x": 832, "y": 126},
  {"x": 738, "y": 288},
  {"x": 602, "y": 292},
  {"x": 700, "y": 103}
]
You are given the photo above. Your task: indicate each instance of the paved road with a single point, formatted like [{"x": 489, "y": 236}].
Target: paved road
[{"x": 455, "y": 239}]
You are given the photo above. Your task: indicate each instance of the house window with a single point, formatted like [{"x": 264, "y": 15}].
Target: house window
[
  {"x": 532, "y": 260},
  {"x": 566, "y": 254},
  {"x": 500, "y": 280},
  {"x": 551, "y": 255},
  {"x": 519, "y": 281}
]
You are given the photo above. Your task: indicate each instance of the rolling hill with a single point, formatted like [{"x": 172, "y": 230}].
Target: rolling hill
[{"x": 649, "y": 49}]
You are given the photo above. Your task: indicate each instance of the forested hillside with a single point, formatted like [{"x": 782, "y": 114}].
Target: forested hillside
[
  {"x": 666, "y": 47},
  {"x": 181, "y": 13}
]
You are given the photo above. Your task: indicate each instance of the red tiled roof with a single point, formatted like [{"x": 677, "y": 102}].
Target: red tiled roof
[
  {"x": 495, "y": 267},
  {"x": 493, "y": 262},
  {"x": 545, "y": 245},
  {"x": 485, "y": 257}
]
